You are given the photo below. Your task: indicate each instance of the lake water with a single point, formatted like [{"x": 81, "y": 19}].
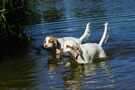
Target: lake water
[{"x": 31, "y": 67}]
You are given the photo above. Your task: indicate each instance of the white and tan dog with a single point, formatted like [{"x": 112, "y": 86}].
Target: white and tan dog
[
  {"x": 85, "y": 53},
  {"x": 57, "y": 43}
]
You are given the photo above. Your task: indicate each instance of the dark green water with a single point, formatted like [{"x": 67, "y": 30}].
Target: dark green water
[{"x": 30, "y": 67}]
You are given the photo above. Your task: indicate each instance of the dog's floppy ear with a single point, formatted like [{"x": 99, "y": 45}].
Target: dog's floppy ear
[
  {"x": 44, "y": 41},
  {"x": 55, "y": 42}
]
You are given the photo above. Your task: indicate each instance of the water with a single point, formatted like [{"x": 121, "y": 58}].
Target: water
[{"x": 31, "y": 67}]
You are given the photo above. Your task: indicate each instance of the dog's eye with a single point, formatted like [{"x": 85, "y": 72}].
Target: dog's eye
[{"x": 50, "y": 41}]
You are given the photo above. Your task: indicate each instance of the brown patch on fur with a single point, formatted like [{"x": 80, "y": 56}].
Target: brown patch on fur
[
  {"x": 54, "y": 41},
  {"x": 63, "y": 39},
  {"x": 62, "y": 50},
  {"x": 72, "y": 47},
  {"x": 44, "y": 42}
]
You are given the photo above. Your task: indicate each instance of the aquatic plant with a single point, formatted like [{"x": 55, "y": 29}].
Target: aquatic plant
[{"x": 12, "y": 14}]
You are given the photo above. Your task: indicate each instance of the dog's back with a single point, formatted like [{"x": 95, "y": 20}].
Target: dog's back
[
  {"x": 92, "y": 51},
  {"x": 64, "y": 39}
]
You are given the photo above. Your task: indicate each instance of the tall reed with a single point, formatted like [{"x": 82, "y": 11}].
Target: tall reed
[{"x": 12, "y": 14}]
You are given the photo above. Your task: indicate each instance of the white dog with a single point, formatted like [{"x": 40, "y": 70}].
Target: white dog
[
  {"x": 85, "y": 53},
  {"x": 57, "y": 43}
]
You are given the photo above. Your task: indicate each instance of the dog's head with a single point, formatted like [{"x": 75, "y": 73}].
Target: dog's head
[
  {"x": 71, "y": 49},
  {"x": 50, "y": 42}
]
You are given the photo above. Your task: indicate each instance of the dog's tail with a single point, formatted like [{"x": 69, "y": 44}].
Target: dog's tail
[
  {"x": 86, "y": 34},
  {"x": 105, "y": 36}
]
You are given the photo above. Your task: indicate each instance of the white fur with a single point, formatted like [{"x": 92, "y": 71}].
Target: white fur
[
  {"x": 62, "y": 40},
  {"x": 104, "y": 37},
  {"x": 85, "y": 53},
  {"x": 47, "y": 42},
  {"x": 86, "y": 33}
]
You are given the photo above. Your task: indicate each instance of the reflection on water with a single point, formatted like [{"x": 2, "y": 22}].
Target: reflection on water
[
  {"x": 30, "y": 67},
  {"x": 82, "y": 76}
]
